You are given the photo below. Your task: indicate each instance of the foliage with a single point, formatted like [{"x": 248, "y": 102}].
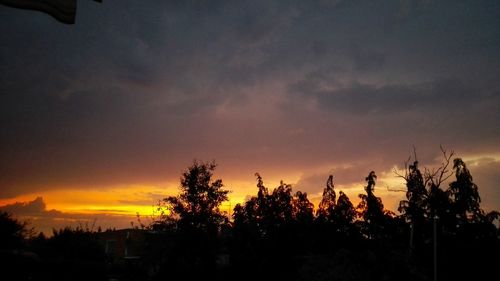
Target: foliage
[
  {"x": 194, "y": 220},
  {"x": 344, "y": 212},
  {"x": 303, "y": 209},
  {"x": 413, "y": 209},
  {"x": 197, "y": 206},
  {"x": 328, "y": 201},
  {"x": 75, "y": 244},
  {"x": 371, "y": 210},
  {"x": 464, "y": 194},
  {"x": 12, "y": 231}
]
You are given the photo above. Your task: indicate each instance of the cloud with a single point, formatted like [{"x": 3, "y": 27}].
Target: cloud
[
  {"x": 433, "y": 97},
  {"x": 43, "y": 220},
  {"x": 34, "y": 207},
  {"x": 149, "y": 198},
  {"x": 133, "y": 92}
]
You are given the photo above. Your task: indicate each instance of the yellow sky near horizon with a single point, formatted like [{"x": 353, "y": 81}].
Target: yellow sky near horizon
[{"x": 117, "y": 206}]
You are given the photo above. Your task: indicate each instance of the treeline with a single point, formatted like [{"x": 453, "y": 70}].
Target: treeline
[{"x": 441, "y": 233}]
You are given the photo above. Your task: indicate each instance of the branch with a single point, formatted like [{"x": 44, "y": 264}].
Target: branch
[
  {"x": 437, "y": 176},
  {"x": 444, "y": 166},
  {"x": 406, "y": 175}
]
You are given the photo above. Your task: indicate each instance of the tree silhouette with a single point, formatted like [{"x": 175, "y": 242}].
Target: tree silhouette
[
  {"x": 415, "y": 207},
  {"x": 281, "y": 205},
  {"x": 464, "y": 194},
  {"x": 371, "y": 209},
  {"x": 249, "y": 228},
  {"x": 12, "y": 232},
  {"x": 196, "y": 218},
  {"x": 277, "y": 235},
  {"x": 303, "y": 209},
  {"x": 254, "y": 215},
  {"x": 197, "y": 207},
  {"x": 470, "y": 239},
  {"x": 265, "y": 228},
  {"x": 438, "y": 202},
  {"x": 471, "y": 220},
  {"x": 328, "y": 201},
  {"x": 344, "y": 215},
  {"x": 270, "y": 212},
  {"x": 335, "y": 217},
  {"x": 452, "y": 234},
  {"x": 75, "y": 244}
]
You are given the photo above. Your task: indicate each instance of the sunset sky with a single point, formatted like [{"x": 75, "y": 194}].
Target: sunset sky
[{"x": 99, "y": 119}]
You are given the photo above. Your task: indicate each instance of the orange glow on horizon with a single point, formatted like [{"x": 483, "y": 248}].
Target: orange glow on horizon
[
  {"x": 130, "y": 200},
  {"x": 119, "y": 205}
]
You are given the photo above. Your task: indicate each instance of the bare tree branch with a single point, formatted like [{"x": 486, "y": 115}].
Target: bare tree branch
[
  {"x": 406, "y": 175},
  {"x": 437, "y": 176}
]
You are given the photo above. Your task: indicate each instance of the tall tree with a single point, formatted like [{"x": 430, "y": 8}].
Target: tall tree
[
  {"x": 255, "y": 214},
  {"x": 328, "y": 201},
  {"x": 371, "y": 209},
  {"x": 464, "y": 194},
  {"x": 414, "y": 208},
  {"x": 198, "y": 205},
  {"x": 438, "y": 204},
  {"x": 197, "y": 216}
]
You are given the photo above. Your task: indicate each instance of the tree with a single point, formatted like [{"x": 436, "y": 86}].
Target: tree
[
  {"x": 344, "y": 214},
  {"x": 266, "y": 226},
  {"x": 371, "y": 209},
  {"x": 413, "y": 209},
  {"x": 270, "y": 212},
  {"x": 12, "y": 232},
  {"x": 328, "y": 201},
  {"x": 194, "y": 219},
  {"x": 335, "y": 216},
  {"x": 253, "y": 217},
  {"x": 75, "y": 243},
  {"x": 464, "y": 194},
  {"x": 438, "y": 201},
  {"x": 471, "y": 220},
  {"x": 281, "y": 201},
  {"x": 198, "y": 205},
  {"x": 303, "y": 209}
]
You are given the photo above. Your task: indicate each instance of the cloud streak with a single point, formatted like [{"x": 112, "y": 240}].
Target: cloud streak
[{"x": 43, "y": 220}]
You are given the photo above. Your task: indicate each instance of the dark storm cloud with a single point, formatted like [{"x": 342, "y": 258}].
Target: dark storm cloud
[
  {"x": 442, "y": 96},
  {"x": 133, "y": 92},
  {"x": 35, "y": 207}
]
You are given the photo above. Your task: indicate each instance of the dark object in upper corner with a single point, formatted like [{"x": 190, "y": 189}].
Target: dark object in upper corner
[{"x": 62, "y": 10}]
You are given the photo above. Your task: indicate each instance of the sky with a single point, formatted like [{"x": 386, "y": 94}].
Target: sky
[{"x": 99, "y": 119}]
